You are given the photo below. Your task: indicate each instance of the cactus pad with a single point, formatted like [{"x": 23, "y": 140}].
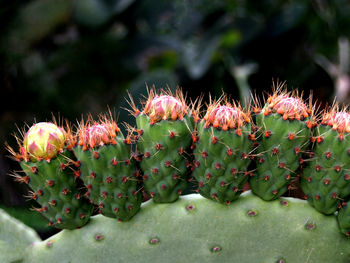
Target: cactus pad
[
  {"x": 222, "y": 152},
  {"x": 108, "y": 169},
  {"x": 284, "y": 126},
  {"x": 326, "y": 180},
  {"x": 195, "y": 229},
  {"x": 52, "y": 174},
  {"x": 14, "y": 238},
  {"x": 165, "y": 127},
  {"x": 344, "y": 219}
]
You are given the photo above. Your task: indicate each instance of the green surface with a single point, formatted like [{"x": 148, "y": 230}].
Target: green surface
[
  {"x": 195, "y": 229},
  {"x": 221, "y": 166},
  {"x": 14, "y": 238}
]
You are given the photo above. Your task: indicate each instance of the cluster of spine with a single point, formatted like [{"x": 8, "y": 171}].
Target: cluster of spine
[{"x": 172, "y": 139}]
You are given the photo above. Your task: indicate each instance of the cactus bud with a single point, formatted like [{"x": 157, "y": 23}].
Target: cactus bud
[
  {"x": 225, "y": 117},
  {"x": 339, "y": 121},
  {"x": 44, "y": 140},
  {"x": 289, "y": 107},
  {"x": 98, "y": 135},
  {"x": 165, "y": 107}
]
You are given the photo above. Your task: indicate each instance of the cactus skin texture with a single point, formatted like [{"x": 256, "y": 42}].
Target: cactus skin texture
[
  {"x": 344, "y": 219},
  {"x": 165, "y": 127},
  {"x": 108, "y": 169},
  {"x": 195, "y": 229},
  {"x": 52, "y": 175},
  {"x": 284, "y": 127},
  {"x": 326, "y": 180},
  {"x": 222, "y": 152},
  {"x": 14, "y": 238}
]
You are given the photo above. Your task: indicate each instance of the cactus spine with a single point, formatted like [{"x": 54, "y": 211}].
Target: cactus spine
[
  {"x": 164, "y": 125},
  {"x": 108, "y": 168},
  {"x": 223, "y": 146},
  {"x": 52, "y": 174}
]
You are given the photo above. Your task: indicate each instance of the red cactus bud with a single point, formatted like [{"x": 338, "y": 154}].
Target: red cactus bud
[
  {"x": 165, "y": 107},
  {"x": 96, "y": 135},
  {"x": 288, "y": 106},
  {"x": 339, "y": 121},
  {"x": 225, "y": 117}
]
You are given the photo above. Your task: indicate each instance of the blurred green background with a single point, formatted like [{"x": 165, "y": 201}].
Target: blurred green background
[{"x": 72, "y": 57}]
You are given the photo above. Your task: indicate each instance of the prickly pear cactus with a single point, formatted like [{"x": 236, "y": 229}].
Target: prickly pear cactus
[
  {"x": 52, "y": 175},
  {"x": 15, "y": 237},
  {"x": 326, "y": 179},
  {"x": 195, "y": 229},
  {"x": 284, "y": 126},
  {"x": 165, "y": 127},
  {"x": 108, "y": 169},
  {"x": 222, "y": 152}
]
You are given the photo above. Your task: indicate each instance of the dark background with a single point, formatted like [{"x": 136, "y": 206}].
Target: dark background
[{"x": 73, "y": 57}]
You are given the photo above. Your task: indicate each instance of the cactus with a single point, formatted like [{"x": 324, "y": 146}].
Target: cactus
[
  {"x": 222, "y": 152},
  {"x": 165, "y": 127},
  {"x": 326, "y": 180},
  {"x": 108, "y": 169},
  {"x": 195, "y": 229},
  {"x": 14, "y": 238},
  {"x": 52, "y": 175},
  {"x": 284, "y": 126}
]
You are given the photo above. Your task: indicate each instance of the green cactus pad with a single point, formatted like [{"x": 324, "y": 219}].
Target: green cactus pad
[
  {"x": 221, "y": 162},
  {"x": 164, "y": 146},
  {"x": 278, "y": 154},
  {"x": 109, "y": 172},
  {"x": 55, "y": 188},
  {"x": 15, "y": 237},
  {"x": 195, "y": 229},
  {"x": 326, "y": 179},
  {"x": 344, "y": 219}
]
